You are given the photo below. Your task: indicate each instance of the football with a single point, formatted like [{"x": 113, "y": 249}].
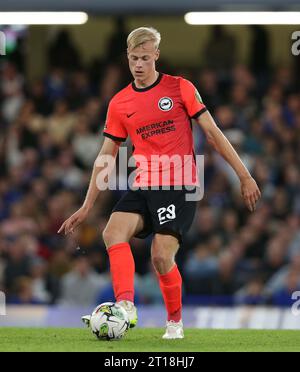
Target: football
[{"x": 109, "y": 321}]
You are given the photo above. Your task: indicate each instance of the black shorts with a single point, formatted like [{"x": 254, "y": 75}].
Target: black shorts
[{"x": 163, "y": 211}]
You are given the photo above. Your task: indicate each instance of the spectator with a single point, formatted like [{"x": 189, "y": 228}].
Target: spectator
[
  {"x": 11, "y": 91},
  {"x": 44, "y": 286},
  {"x": 220, "y": 43},
  {"x": 85, "y": 144},
  {"x": 63, "y": 52},
  {"x": 17, "y": 264},
  {"x": 259, "y": 50},
  {"x": 61, "y": 123},
  {"x": 283, "y": 295},
  {"x": 23, "y": 293},
  {"x": 251, "y": 294},
  {"x": 81, "y": 285}
]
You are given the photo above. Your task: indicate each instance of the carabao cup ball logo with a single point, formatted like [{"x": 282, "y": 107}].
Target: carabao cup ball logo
[{"x": 165, "y": 104}]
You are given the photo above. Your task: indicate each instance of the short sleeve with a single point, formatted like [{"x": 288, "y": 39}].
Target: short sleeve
[
  {"x": 114, "y": 127},
  {"x": 191, "y": 99}
]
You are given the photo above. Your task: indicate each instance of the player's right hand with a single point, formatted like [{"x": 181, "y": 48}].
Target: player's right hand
[{"x": 74, "y": 221}]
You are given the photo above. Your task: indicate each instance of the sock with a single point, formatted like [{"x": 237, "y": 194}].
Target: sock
[
  {"x": 122, "y": 269},
  {"x": 171, "y": 288}
]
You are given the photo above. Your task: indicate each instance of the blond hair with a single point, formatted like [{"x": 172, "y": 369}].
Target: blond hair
[{"x": 141, "y": 35}]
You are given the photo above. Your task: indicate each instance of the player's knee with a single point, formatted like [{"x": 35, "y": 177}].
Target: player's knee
[
  {"x": 162, "y": 262},
  {"x": 163, "y": 252},
  {"x": 106, "y": 236},
  {"x": 112, "y": 236}
]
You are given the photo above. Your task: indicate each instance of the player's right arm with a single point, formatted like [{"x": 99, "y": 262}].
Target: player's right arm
[
  {"x": 109, "y": 148},
  {"x": 114, "y": 133}
]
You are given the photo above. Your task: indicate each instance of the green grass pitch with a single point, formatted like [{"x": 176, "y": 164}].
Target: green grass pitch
[{"x": 66, "y": 339}]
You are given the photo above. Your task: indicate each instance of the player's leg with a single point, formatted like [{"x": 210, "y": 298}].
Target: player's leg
[
  {"x": 172, "y": 216},
  {"x": 121, "y": 227},
  {"x": 163, "y": 250}
]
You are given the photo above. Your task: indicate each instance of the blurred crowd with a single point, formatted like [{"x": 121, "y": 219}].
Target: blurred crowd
[{"x": 50, "y": 134}]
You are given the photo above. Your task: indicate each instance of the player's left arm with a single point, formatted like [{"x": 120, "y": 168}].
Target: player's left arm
[{"x": 216, "y": 138}]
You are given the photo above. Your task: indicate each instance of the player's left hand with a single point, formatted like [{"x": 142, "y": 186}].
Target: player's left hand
[{"x": 250, "y": 192}]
